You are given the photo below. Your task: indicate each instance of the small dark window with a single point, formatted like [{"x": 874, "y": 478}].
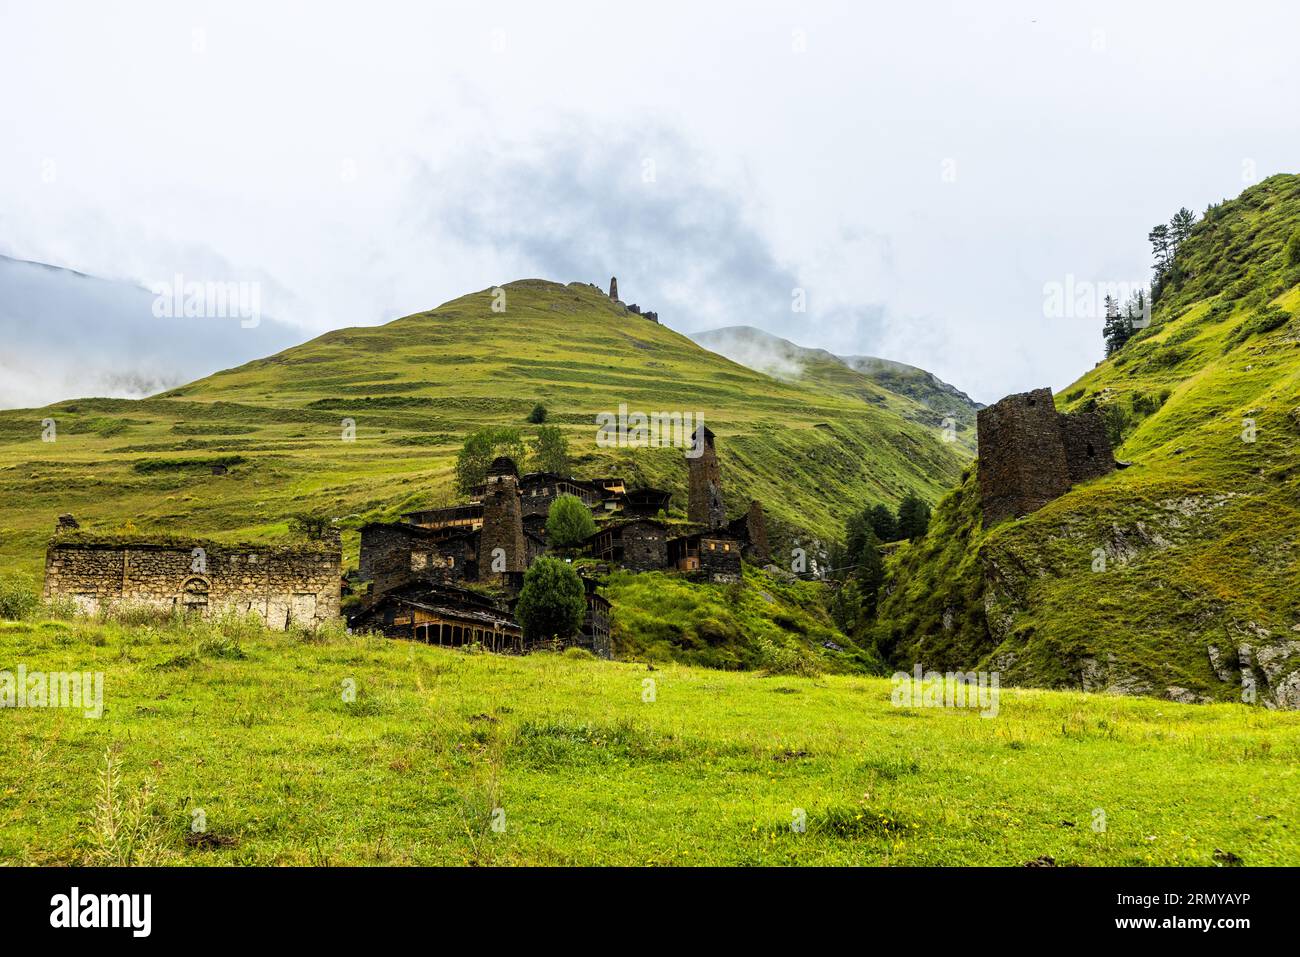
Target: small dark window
[{"x": 1091, "y": 451}]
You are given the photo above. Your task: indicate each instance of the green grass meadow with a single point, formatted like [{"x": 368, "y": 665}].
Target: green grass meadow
[{"x": 251, "y": 728}]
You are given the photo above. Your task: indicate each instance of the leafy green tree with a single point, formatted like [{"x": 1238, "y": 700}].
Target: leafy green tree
[
  {"x": 1117, "y": 422},
  {"x": 569, "y": 522},
  {"x": 913, "y": 517},
  {"x": 538, "y": 415},
  {"x": 480, "y": 449},
  {"x": 553, "y": 601},
  {"x": 550, "y": 451}
]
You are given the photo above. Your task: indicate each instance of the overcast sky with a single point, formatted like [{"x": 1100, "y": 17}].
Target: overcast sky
[{"x": 919, "y": 170}]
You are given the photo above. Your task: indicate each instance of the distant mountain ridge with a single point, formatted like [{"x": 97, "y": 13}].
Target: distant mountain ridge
[
  {"x": 867, "y": 376},
  {"x": 68, "y": 334}
]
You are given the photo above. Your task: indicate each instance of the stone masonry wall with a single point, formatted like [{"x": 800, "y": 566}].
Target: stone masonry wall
[
  {"x": 645, "y": 546},
  {"x": 1029, "y": 454},
  {"x": 720, "y": 559},
  {"x": 279, "y": 584},
  {"x": 395, "y": 554},
  {"x": 1088, "y": 454}
]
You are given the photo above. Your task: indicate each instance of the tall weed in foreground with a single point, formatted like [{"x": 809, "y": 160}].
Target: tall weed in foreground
[{"x": 126, "y": 831}]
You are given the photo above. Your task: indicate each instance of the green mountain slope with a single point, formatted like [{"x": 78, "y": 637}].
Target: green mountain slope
[
  {"x": 913, "y": 393},
  {"x": 414, "y": 387},
  {"x": 1179, "y": 576}
]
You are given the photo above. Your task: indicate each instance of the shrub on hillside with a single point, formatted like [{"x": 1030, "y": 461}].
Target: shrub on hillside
[
  {"x": 538, "y": 415},
  {"x": 1260, "y": 321},
  {"x": 553, "y": 601},
  {"x": 18, "y": 597},
  {"x": 1293, "y": 248},
  {"x": 569, "y": 522},
  {"x": 775, "y": 659},
  {"x": 1117, "y": 421}
]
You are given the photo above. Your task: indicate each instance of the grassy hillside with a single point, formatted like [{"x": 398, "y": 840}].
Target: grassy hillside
[
  {"x": 589, "y": 764},
  {"x": 1179, "y": 576},
  {"x": 910, "y": 392},
  {"x": 414, "y": 388}
]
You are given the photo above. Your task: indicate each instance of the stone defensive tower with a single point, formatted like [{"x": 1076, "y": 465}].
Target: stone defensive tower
[
  {"x": 503, "y": 523},
  {"x": 613, "y": 288},
  {"x": 704, "y": 501},
  {"x": 1030, "y": 454}
]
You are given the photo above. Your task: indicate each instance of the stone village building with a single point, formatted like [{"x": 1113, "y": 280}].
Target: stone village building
[{"x": 422, "y": 563}]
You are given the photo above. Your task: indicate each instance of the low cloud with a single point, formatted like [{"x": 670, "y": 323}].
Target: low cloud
[{"x": 588, "y": 204}]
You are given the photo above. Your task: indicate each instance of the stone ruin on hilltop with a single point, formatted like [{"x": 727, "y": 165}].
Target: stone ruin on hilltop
[
  {"x": 1030, "y": 454},
  {"x": 634, "y": 308}
]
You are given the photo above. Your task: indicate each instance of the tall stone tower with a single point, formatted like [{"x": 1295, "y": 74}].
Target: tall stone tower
[
  {"x": 704, "y": 503},
  {"x": 613, "y": 288},
  {"x": 503, "y": 524}
]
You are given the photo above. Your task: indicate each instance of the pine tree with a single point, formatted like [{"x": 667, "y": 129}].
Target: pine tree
[
  {"x": 883, "y": 522},
  {"x": 1117, "y": 331},
  {"x": 871, "y": 572},
  {"x": 1159, "y": 239},
  {"x": 913, "y": 517},
  {"x": 1180, "y": 227}
]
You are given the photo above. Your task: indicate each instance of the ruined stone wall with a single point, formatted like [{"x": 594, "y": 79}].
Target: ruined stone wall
[
  {"x": 1022, "y": 463},
  {"x": 395, "y": 554},
  {"x": 279, "y": 584},
  {"x": 1029, "y": 454},
  {"x": 704, "y": 486},
  {"x": 1088, "y": 454},
  {"x": 756, "y": 526},
  {"x": 503, "y": 527}
]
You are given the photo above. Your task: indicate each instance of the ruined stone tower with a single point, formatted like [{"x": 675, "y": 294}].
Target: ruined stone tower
[
  {"x": 751, "y": 528},
  {"x": 704, "y": 501},
  {"x": 503, "y": 523},
  {"x": 1030, "y": 454},
  {"x": 613, "y": 288}
]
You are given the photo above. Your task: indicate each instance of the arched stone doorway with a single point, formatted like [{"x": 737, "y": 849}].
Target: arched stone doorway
[{"x": 194, "y": 596}]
